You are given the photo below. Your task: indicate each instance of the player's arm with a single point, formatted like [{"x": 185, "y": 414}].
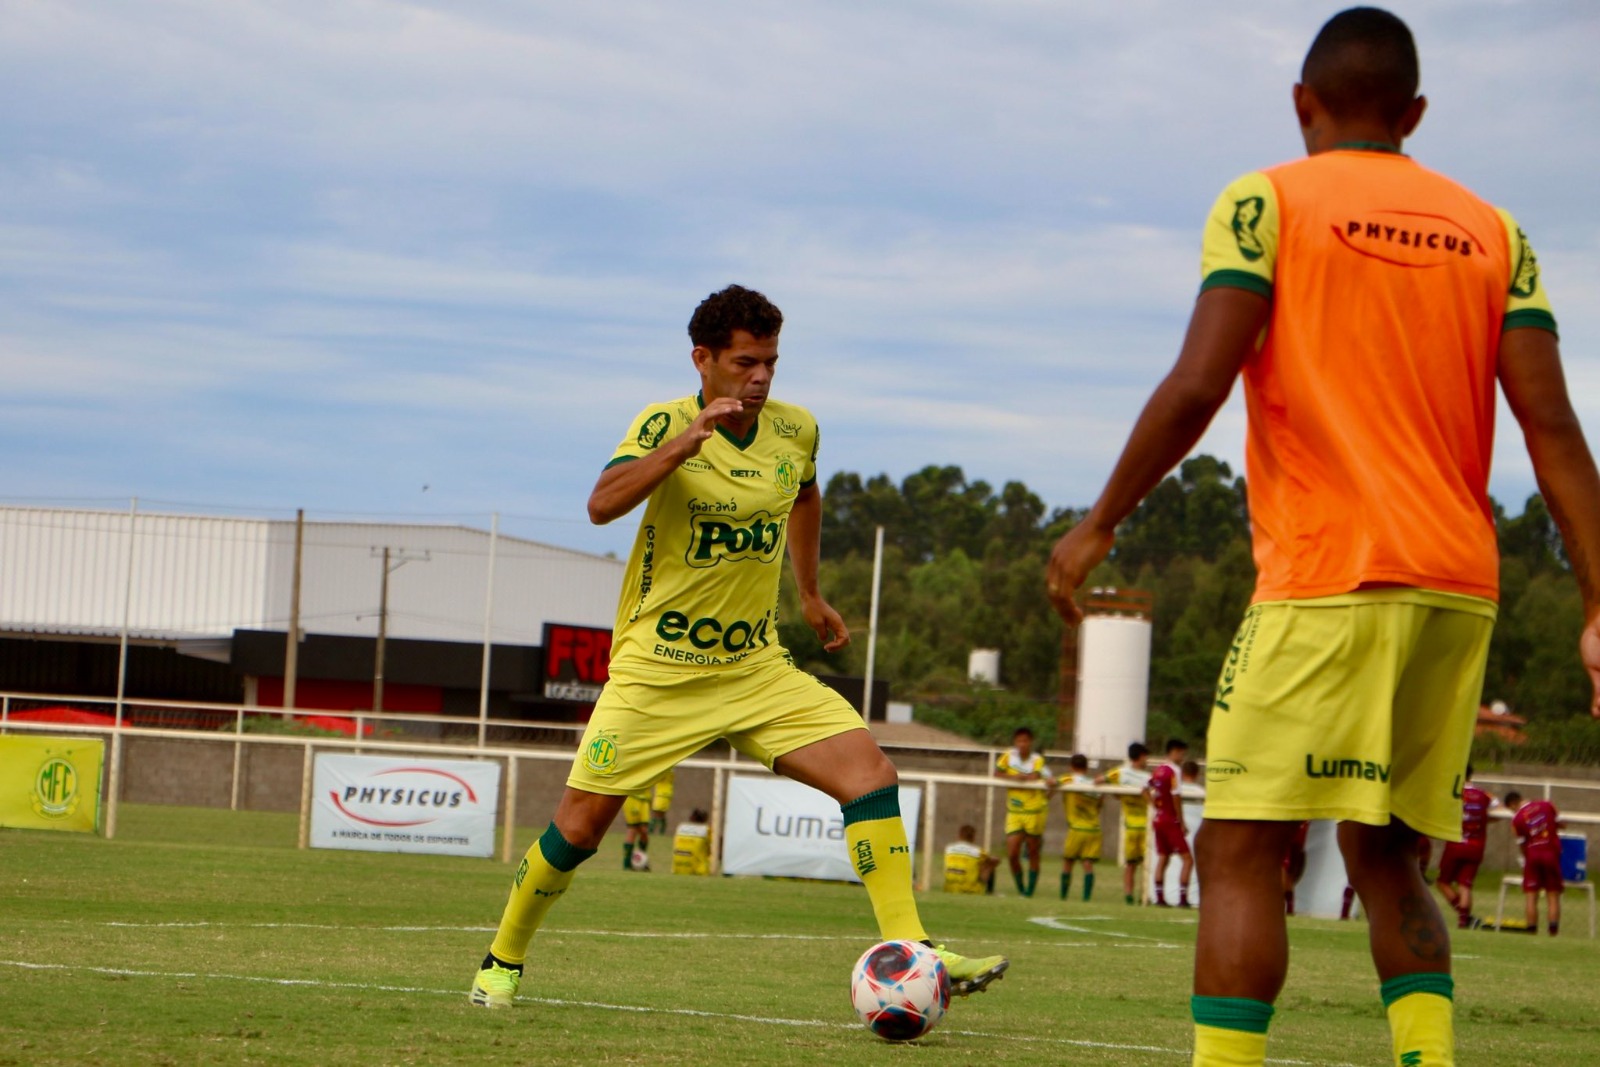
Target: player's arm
[
  {"x": 623, "y": 487},
  {"x": 805, "y": 549},
  {"x": 1535, "y": 387},
  {"x": 1222, "y": 335}
]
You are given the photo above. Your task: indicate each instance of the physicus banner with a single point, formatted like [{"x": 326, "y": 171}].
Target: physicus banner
[
  {"x": 50, "y": 783},
  {"x": 382, "y": 804},
  {"x": 773, "y": 826}
]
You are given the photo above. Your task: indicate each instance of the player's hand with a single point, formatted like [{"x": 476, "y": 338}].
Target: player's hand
[
  {"x": 825, "y": 623},
  {"x": 1589, "y": 650},
  {"x": 705, "y": 423},
  {"x": 1080, "y": 550}
]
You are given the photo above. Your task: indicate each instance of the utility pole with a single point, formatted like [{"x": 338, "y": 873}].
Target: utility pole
[
  {"x": 383, "y": 618},
  {"x": 291, "y": 654}
]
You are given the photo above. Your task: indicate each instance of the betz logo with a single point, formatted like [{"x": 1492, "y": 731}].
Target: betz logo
[
  {"x": 713, "y": 540},
  {"x": 654, "y": 430}
]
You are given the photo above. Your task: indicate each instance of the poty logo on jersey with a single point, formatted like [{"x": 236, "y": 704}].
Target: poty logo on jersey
[
  {"x": 713, "y": 539},
  {"x": 403, "y": 796},
  {"x": 1405, "y": 239},
  {"x": 55, "y": 789}
]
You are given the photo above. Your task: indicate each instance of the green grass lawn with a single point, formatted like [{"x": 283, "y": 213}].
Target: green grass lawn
[{"x": 204, "y": 936}]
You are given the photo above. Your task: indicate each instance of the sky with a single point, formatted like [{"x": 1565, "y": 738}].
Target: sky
[{"x": 425, "y": 261}]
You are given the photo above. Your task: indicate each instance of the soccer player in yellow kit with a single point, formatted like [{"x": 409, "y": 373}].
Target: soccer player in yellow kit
[
  {"x": 1083, "y": 828},
  {"x": 1371, "y": 306},
  {"x": 1026, "y": 809},
  {"x": 1135, "y": 812},
  {"x": 728, "y": 479}
]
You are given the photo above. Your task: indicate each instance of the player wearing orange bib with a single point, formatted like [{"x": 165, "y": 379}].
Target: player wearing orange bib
[{"x": 1370, "y": 305}]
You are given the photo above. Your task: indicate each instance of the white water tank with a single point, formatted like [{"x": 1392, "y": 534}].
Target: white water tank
[
  {"x": 1113, "y": 685},
  {"x": 983, "y": 666}
]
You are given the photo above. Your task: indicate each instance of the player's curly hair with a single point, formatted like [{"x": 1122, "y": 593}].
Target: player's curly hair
[
  {"x": 734, "y": 308},
  {"x": 1363, "y": 63}
]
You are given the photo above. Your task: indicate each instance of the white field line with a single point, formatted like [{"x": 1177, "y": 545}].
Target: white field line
[
  {"x": 1151, "y": 942},
  {"x": 368, "y": 987}
]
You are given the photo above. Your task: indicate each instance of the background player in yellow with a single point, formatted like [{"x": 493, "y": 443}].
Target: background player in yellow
[
  {"x": 691, "y": 845},
  {"x": 967, "y": 867},
  {"x": 1026, "y": 809},
  {"x": 1135, "y": 814},
  {"x": 636, "y": 833},
  {"x": 661, "y": 803},
  {"x": 1371, "y": 306},
  {"x": 1083, "y": 827},
  {"x": 727, "y": 477}
]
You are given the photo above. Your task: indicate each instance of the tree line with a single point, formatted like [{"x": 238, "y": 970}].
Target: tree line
[{"x": 964, "y": 566}]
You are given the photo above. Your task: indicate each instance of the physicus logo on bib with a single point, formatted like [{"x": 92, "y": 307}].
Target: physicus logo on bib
[
  {"x": 786, "y": 476},
  {"x": 714, "y": 538}
]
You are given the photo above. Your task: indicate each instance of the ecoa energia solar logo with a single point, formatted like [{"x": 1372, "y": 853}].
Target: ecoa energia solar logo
[{"x": 404, "y": 796}]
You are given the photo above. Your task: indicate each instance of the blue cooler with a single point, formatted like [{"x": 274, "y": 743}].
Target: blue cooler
[{"x": 1574, "y": 857}]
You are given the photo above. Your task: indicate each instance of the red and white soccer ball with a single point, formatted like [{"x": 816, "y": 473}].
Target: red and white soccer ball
[{"x": 900, "y": 989}]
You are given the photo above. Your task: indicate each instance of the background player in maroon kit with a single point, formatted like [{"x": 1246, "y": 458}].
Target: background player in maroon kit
[
  {"x": 1166, "y": 802},
  {"x": 1538, "y": 825},
  {"x": 1458, "y": 867}
]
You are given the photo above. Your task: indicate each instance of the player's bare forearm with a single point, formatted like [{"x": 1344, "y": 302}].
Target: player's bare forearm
[
  {"x": 805, "y": 552},
  {"x": 1536, "y": 389},
  {"x": 625, "y": 486},
  {"x": 1222, "y": 334}
]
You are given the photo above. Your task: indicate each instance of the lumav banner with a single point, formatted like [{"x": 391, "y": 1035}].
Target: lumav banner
[
  {"x": 382, "y": 804},
  {"x": 780, "y": 828},
  {"x": 51, "y": 783}
]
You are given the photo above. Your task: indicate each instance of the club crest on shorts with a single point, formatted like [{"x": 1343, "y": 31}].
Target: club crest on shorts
[{"x": 602, "y": 754}]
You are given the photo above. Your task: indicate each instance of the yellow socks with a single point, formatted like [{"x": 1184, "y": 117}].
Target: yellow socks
[
  {"x": 1420, "y": 1011},
  {"x": 545, "y": 873},
  {"x": 876, "y": 839},
  {"x": 1230, "y": 1031}
]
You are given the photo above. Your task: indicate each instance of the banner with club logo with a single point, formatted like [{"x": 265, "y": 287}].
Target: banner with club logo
[
  {"x": 50, "y": 783},
  {"x": 383, "y": 804},
  {"x": 776, "y": 827}
]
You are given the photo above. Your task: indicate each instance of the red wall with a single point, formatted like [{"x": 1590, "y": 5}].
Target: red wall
[{"x": 326, "y": 695}]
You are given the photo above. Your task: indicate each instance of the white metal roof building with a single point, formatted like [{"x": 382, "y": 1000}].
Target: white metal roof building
[{"x": 192, "y": 580}]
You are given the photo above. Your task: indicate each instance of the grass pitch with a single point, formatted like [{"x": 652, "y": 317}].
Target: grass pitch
[{"x": 201, "y": 936}]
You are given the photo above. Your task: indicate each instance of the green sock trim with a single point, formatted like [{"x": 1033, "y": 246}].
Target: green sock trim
[
  {"x": 1441, "y": 985},
  {"x": 560, "y": 853},
  {"x": 879, "y": 804},
  {"x": 1231, "y": 1013}
]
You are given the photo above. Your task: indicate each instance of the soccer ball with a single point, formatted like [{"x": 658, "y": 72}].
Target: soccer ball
[
  {"x": 900, "y": 989},
  {"x": 640, "y": 860}
]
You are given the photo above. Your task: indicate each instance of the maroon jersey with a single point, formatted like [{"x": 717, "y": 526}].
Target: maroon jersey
[
  {"x": 1535, "y": 825},
  {"x": 1163, "y": 787},
  {"x": 1475, "y": 805}
]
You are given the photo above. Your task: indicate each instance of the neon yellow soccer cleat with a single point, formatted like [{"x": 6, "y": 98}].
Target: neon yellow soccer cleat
[
  {"x": 495, "y": 986},
  {"x": 971, "y": 975}
]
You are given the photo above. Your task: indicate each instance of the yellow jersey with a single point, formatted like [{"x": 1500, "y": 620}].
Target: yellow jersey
[
  {"x": 963, "y": 868},
  {"x": 1083, "y": 809},
  {"x": 701, "y": 588},
  {"x": 1024, "y": 801},
  {"x": 1136, "y": 808}
]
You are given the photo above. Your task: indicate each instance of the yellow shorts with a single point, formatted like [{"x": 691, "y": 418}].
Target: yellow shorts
[
  {"x": 1133, "y": 843},
  {"x": 1082, "y": 844},
  {"x": 1026, "y": 822},
  {"x": 648, "y": 722},
  {"x": 636, "y": 811},
  {"x": 661, "y": 798},
  {"x": 1357, "y": 707}
]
